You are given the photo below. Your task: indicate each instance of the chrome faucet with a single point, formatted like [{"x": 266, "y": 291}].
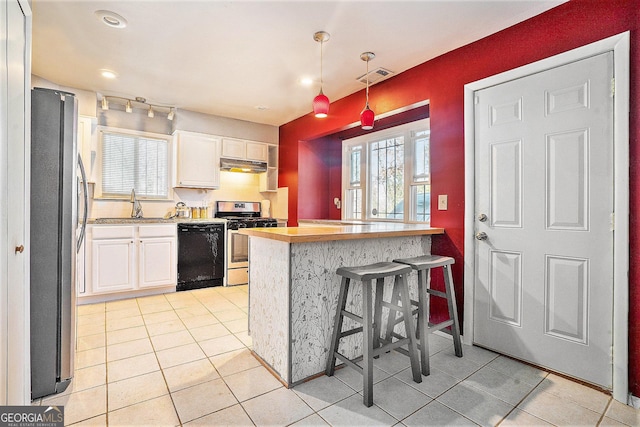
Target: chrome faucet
[{"x": 136, "y": 209}]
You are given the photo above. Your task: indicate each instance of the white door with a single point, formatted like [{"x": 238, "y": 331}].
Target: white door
[
  {"x": 544, "y": 180},
  {"x": 15, "y": 21}
]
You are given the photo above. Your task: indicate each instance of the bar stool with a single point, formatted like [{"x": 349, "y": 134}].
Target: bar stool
[
  {"x": 423, "y": 264},
  {"x": 371, "y": 321}
]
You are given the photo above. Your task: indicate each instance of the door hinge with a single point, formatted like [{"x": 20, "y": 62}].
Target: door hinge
[
  {"x": 476, "y": 100},
  {"x": 612, "y": 221},
  {"x": 613, "y": 86}
]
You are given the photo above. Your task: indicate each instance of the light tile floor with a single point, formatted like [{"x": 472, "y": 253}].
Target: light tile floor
[{"x": 184, "y": 359}]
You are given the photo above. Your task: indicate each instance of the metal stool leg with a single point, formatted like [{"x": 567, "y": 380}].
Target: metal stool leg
[
  {"x": 453, "y": 310},
  {"x": 410, "y": 328},
  {"x": 337, "y": 326},
  {"x": 423, "y": 321},
  {"x": 393, "y": 314},
  {"x": 367, "y": 344},
  {"x": 377, "y": 313}
]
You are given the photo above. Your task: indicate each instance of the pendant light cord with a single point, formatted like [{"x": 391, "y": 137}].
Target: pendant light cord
[
  {"x": 321, "y": 81},
  {"x": 367, "y": 82}
]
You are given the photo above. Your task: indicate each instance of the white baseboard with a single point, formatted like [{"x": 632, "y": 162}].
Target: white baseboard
[{"x": 633, "y": 401}]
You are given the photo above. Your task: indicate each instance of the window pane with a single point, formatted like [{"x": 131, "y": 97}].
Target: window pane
[
  {"x": 355, "y": 167},
  {"x": 421, "y": 195},
  {"x": 421, "y": 165},
  {"x": 134, "y": 162},
  {"x": 354, "y": 204},
  {"x": 386, "y": 179}
]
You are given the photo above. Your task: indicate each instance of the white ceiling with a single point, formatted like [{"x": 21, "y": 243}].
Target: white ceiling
[{"x": 229, "y": 57}]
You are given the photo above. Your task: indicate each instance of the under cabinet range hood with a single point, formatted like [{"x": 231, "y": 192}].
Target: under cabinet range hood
[{"x": 246, "y": 166}]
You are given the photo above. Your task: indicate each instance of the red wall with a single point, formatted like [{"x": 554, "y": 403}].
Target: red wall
[
  {"x": 315, "y": 165},
  {"x": 441, "y": 81}
]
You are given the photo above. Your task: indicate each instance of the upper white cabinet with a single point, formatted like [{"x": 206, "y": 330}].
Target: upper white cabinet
[
  {"x": 245, "y": 150},
  {"x": 197, "y": 160},
  {"x": 88, "y": 144},
  {"x": 257, "y": 151},
  {"x": 269, "y": 179}
]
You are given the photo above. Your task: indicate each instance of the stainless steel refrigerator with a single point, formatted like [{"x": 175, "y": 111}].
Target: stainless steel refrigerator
[{"x": 56, "y": 236}]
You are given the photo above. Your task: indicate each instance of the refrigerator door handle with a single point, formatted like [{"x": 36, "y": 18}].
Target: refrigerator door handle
[{"x": 85, "y": 201}]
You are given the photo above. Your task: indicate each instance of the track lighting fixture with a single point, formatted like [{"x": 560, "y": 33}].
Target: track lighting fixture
[
  {"x": 321, "y": 102},
  {"x": 128, "y": 105}
]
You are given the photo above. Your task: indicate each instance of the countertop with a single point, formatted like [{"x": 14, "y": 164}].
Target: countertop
[
  {"x": 118, "y": 221},
  {"x": 341, "y": 232}
]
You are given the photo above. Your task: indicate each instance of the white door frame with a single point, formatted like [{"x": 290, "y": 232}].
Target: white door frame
[
  {"x": 15, "y": 372},
  {"x": 619, "y": 44}
]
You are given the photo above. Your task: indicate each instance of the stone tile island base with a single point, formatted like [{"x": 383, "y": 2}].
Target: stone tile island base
[{"x": 293, "y": 293}]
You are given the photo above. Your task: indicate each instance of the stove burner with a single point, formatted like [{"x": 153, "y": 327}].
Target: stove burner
[
  {"x": 243, "y": 215},
  {"x": 234, "y": 223}
]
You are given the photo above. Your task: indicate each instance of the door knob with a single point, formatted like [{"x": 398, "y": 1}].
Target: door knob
[
  {"x": 482, "y": 217},
  {"x": 20, "y": 249},
  {"x": 481, "y": 235}
]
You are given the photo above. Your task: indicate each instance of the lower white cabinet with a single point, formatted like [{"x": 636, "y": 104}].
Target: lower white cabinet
[
  {"x": 156, "y": 258},
  {"x": 128, "y": 258}
]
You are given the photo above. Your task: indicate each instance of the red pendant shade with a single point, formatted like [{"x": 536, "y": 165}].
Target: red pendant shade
[
  {"x": 367, "y": 117},
  {"x": 321, "y": 102},
  {"x": 321, "y": 105}
]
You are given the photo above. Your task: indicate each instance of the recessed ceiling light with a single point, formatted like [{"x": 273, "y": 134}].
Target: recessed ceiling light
[
  {"x": 111, "y": 19},
  {"x": 108, "y": 74},
  {"x": 306, "y": 81}
]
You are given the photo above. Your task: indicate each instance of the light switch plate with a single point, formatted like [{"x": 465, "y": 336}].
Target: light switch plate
[{"x": 442, "y": 202}]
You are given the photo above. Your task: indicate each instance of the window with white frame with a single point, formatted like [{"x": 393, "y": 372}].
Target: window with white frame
[
  {"x": 386, "y": 175},
  {"x": 133, "y": 160}
]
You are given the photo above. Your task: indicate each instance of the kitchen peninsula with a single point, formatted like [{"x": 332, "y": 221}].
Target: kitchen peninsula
[{"x": 293, "y": 287}]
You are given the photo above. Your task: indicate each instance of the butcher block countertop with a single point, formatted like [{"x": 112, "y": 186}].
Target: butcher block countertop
[{"x": 341, "y": 232}]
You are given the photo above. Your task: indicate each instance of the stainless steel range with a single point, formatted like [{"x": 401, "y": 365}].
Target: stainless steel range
[{"x": 240, "y": 215}]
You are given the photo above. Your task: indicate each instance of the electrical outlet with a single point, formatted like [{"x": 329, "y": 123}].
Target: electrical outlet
[{"x": 442, "y": 202}]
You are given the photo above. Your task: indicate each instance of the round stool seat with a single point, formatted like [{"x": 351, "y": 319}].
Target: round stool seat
[
  {"x": 424, "y": 262},
  {"x": 373, "y": 271}
]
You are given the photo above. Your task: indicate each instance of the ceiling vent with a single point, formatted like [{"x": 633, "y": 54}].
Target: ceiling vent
[{"x": 375, "y": 76}]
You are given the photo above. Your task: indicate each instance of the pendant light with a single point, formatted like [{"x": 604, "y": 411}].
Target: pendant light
[
  {"x": 367, "y": 116},
  {"x": 321, "y": 102}
]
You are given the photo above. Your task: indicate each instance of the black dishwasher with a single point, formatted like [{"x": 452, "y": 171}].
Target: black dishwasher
[{"x": 200, "y": 255}]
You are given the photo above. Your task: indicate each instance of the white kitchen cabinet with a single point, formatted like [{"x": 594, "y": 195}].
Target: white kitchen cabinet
[
  {"x": 111, "y": 260},
  {"x": 269, "y": 179},
  {"x": 87, "y": 144},
  {"x": 129, "y": 259},
  {"x": 157, "y": 256},
  {"x": 81, "y": 284},
  {"x": 257, "y": 151},
  {"x": 197, "y": 160},
  {"x": 245, "y": 150}
]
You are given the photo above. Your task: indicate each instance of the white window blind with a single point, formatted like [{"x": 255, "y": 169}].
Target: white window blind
[{"x": 137, "y": 162}]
